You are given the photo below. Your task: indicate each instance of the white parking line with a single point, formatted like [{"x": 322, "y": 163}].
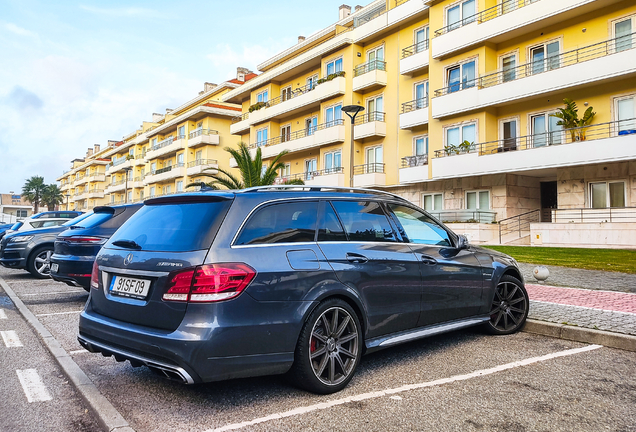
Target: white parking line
[
  {"x": 3, "y": 315},
  {"x": 11, "y": 339},
  {"x": 54, "y": 292},
  {"x": 33, "y": 387},
  {"x": 59, "y": 313},
  {"x": 382, "y": 393},
  {"x": 80, "y": 351}
]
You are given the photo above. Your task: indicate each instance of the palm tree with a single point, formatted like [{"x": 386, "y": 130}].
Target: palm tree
[
  {"x": 251, "y": 170},
  {"x": 32, "y": 191},
  {"x": 51, "y": 196},
  {"x": 569, "y": 119}
]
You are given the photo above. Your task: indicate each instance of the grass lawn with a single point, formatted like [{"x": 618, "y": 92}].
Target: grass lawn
[{"x": 618, "y": 260}]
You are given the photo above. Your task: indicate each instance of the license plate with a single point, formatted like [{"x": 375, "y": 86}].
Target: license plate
[
  {"x": 54, "y": 268},
  {"x": 130, "y": 287}
]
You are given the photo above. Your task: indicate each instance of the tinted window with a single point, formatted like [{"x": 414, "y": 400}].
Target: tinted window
[
  {"x": 94, "y": 220},
  {"x": 330, "y": 228},
  {"x": 416, "y": 227},
  {"x": 281, "y": 223},
  {"x": 17, "y": 225},
  {"x": 77, "y": 219},
  {"x": 364, "y": 221},
  {"x": 178, "y": 227}
]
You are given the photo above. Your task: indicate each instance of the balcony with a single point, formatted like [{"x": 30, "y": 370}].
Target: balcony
[
  {"x": 300, "y": 99},
  {"x": 314, "y": 137},
  {"x": 118, "y": 165},
  {"x": 81, "y": 180},
  {"x": 65, "y": 186},
  {"x": 414, "y": 58},
  {"x": 505, "y": 21},
  {"x": 369, "y": 175},
  {"x": 370, "y": 125},
  {"x": 116, "y": 187},
  {"x": 599, "y": 143},
  {"x": 140, "y": 159},
  {"x": 414, "y": 113},
  {"x": 95, "y": 193},
  {"x": 200, "y": 137},
  {"x": 240, "y": 124},
  {"x": 584, "y": 66},
  {"x": 369, "y": 76},
  {"x": 197, "y": 166},
  {"x": 97, "y": 177},
  {"x": 79, "y": 196},
  {"x": 166, "y": 173},
  {"x": 333, "y": 177},
  {"x": 166, "y": 147},
  {"x": 138, "y": 182},
  {"x": 414, "y": 169}
]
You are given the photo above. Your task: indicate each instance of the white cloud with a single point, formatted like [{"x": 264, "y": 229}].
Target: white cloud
[{"x": 19, "y": 30}]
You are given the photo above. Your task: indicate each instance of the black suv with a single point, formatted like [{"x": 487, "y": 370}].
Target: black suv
[
  {"x": 299, "y": 280},
  {"x": 76, "y": 248}
]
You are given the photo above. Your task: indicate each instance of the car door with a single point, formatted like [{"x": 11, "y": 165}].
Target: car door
[
  {"x": 451, "y": 278},
  {"x": 365, "y": 254}
]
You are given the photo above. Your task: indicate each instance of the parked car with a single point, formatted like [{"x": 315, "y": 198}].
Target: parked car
[
  {"x": 32, "y": 250},
  {"x": 75, "y": 249},
  {"x": 44, "y": 220},
  {"x": 210, "y": 286},
  {"x": 56, "y": 214},
  {"x": 4, "y": 228}
]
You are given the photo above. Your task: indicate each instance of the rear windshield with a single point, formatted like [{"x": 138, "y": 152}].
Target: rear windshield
[
  {"x": 77, "y": 219},
  {"x": 178, "y": 227},
  {"x": 16, "y": 226},
  {"x": 93, "y": 220}
]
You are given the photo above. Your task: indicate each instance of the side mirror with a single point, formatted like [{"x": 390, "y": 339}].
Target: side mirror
[{"x": 462, "y": 242}]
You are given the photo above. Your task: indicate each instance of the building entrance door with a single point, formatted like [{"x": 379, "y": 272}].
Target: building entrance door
[{"x": 548, "y": 200}]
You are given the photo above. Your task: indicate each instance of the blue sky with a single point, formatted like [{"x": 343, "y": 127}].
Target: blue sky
[{"x": 74, "y": 74}]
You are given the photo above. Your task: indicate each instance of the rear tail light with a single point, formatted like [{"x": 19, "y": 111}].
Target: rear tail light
[
  {"x": 95, "y": 275},
  {"x": 209, "y": 283},
  {"x": 85, "y": 240}
]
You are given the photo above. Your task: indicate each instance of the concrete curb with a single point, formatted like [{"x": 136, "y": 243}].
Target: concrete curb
[
  {"x": 106, "y": 414},
  {"x": 581, "y": 334}
]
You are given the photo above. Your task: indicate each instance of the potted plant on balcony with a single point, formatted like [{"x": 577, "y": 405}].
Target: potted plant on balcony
[
  {"x": 569, "y": 119},
  {"x": 257, "y": 106}
]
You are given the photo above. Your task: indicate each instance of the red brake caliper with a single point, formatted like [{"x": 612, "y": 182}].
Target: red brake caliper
[{"x": 312, "y": 348}]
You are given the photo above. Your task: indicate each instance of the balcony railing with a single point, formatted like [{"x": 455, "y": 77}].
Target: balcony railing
[
  {"x": 372, "y": 14},
  {"x": 119, "y": 161},
  {"x": 370, "y": 117},
  {"x": 97, "y": 174},
  {"x": 369, "y": 66},
  {"x": 299, "y": 91},
  {"x": 163, "y": 143},
  {"x": 414, "y": 161},
  {"x": 199, "y": 132},
  {"x": 117, "y": 183},
  {"x": 594, "y": 215},
  {"x": 198, "y": 162},
  {"x": 464, "y": 216},
  {"x": 369, "y": 168},
  {"x": 310, "y": 175},
  {"x": 563, "y": 136},
  {"x": 140, "y": 178},
  {"x": 169, "y": 168},
  {"x": 415, "y": 105},
  {"x": 241, "y": 117},
  {"x": 580, "y": 55},
  {"x": 486, "y": 15},
  {"x": 415, "y": 48},
  {"x": 297, "y": 135}
]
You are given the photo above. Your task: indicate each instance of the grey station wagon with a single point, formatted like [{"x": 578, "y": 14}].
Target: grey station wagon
[{"x": 209, "y": 286}]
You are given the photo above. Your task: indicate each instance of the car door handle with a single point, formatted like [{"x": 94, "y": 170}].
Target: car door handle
[
  {"x": 428, "y": 260},
  {"x": 356, "y": 258}
]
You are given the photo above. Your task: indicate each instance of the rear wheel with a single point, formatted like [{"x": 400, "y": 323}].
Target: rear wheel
[
  {"x": 329, "y": 348},
  {"x": 39, "y": 262},
  {"x": 509, "y": 308}
]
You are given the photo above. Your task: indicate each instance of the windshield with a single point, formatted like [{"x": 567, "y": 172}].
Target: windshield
[
  {"x": 77, "y": 219},
  {"x": 92, "y": 220},
  {"x": 16, "y": 226}
]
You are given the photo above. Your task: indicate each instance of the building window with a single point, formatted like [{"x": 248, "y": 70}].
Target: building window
[
  {"x": 261, "y": 137},
  {"x": 544, "y": 130},
  {"x": 545, "y": 57},
  {"x": 623, "y": 29},
  {"x": 373, "y": 160},
  {"x": 333, "y": 162},
  {"x": 332, "y": 114},
  {"x": 420, "y": 91},
  {"x": 375, "y": 109},
  {"x": 508, "y": 133},
  {"x": 508, "y": 65},
  {"x": 262, "y": 97},
  {"x": 420, "y": 145},
  {"x": 310, "y": 168},
  {"x": 478, "y": 200},
  {"x": 112, "y": 198},
  {"x": 433, "y": 202},
  {"x": 153, "y": 142},
  {"x": 181, "y": 132},
  {"x": 167, "y": 189},
  {"x": 311, "y": 125},
  {"x": 198, "y": 155},
  {"x": 180, "y": 186},
  {"x": 286, "y": 93},
  {"x": 311, "y": 82},
  {"x": 625, "y": 108},
  {"x": 421, "y": 39},
  {"x": 180, "y": 158},
  {"x": 21, "y": 213},
  {"x": 285, "y": 133},
  {"x": 461, "y": 14},
  {"x": 141, "y": 195},
  {"x": 334, "y": 66},
  {"x": 458, "y": 134},
  {"x": 461, "y": 76},
  {"x": 285, "y": 171},
  {"x": 153, "y": 168},
  {"x": 607, "y": 194},
  {"x": 129, "y": 196},
  {"x": 152, "y": 191}
]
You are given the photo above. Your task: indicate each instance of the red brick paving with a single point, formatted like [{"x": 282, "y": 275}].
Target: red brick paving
[{"x": 606, "y": 300}]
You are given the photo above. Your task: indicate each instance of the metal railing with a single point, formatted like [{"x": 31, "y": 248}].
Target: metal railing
[
  {"x": 97, "y": 174},
  {"x": 414, "y": 161},
  {"x": 519, "y": 224},
  {"x": 198, "y": 162},
  {"x": 369, "y": 168},
  {"x": 372, "y": 14},
  {"x": 242, "y": 117},
  {"x": 580, "y": 55},
  {"x": 415, "y": 104},
  {"x": 169, "y": 168},
  {"x": 415, "y": 48},
  {"x": 163, "y": 143},
  {"x": 117, "y": 183},
  {"x": 486, "y": 15},
  {"x": 140, "y": 178},
  {"x": 119, "y": 161},
  {"x": 297, "y": 135},
  {"x": 369, "y": 66},
  {"x": 299, "y": 91},
  {"x": 464, "y": 216},
  {"x": 310, "y": 175},
  {"x": 564, "y": 136},
  {"x": 95, "y": 190},
  {"x": 594, "y": 215},
  {"x": 199, "y": 132},
  {"x": 370, "y": 117}
]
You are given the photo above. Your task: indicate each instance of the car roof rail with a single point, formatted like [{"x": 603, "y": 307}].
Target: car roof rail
[{"x": 306, "y": 188}]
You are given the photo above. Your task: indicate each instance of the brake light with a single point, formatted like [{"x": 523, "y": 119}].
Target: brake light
[
  {"x": 85, "y": 240},
  {"x": 209, "y": 283},
  {"x": 95, "y": 275}
]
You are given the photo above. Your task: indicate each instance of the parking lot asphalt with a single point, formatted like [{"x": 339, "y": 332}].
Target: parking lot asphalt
[{"x": 459, "y": 381}]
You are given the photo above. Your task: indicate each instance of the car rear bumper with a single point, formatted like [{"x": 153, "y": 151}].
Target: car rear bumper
[{"x": 73, "y": 270}]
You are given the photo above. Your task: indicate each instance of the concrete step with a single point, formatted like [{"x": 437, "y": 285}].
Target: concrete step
[{"x": 519, "y": 241}]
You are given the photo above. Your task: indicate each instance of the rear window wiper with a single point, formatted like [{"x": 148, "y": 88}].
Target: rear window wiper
[
  {"x": 76, "y": 227},
  {"x": 128, "y": 244}
]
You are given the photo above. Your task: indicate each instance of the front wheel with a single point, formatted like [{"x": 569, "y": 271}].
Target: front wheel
[
  {"x": 39, "y": 263},
  {"x": 328, "y": 349},
  {"x": 509, "y": 307}
]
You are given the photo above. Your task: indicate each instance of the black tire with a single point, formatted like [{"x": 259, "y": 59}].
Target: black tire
[
  {"x": 39, "y": 262},
  {"x": 327, "y": 356},
  {"x": 509, "y": 307}
]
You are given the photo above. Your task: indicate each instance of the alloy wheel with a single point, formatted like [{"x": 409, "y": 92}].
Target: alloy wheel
[
  {"x": 42, "y": 262},
  {"x": 509, "y": 307}
]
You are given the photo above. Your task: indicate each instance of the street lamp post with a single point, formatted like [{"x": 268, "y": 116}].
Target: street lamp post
[
  {"x": 67, "y": 196},
  {"x": 127, "y": 169},
  {"x": 352, "y": 111}
]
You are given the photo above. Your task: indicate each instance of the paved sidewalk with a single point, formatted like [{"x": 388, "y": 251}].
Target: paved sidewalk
[{"x": 580, "y": 278}]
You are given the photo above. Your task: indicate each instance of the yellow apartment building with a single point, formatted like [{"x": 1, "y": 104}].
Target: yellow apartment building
[{"x": 458, "y": 101}]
